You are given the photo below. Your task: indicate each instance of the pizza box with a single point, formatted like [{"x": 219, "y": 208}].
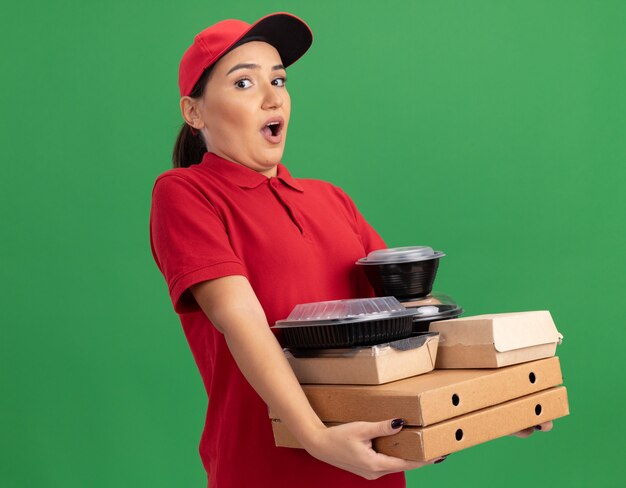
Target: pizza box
[
  {"x": 427, "y": 443},
  {"x": 432, "y": 397}
]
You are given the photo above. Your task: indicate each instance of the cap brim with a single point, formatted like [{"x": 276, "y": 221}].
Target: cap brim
[{"x": 290, "y": 35}]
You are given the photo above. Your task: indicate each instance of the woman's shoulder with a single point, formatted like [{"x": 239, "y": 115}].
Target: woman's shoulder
[
  {"x": 317, "y": 184},
  {"x": 190, "y": 179},
  {"x": 323, "y": 186},
  {"x": 187, "y": 174},
  {"x": 181, "y": 184}
]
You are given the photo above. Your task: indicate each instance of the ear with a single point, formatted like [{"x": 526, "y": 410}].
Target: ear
[{"x": 190, "y": 110}]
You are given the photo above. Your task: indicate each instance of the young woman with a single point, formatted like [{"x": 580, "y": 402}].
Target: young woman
[{"x": 240, "y": 242}]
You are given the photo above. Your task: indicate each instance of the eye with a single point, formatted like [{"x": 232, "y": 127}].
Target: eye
[
  {"x": 279, "y": 81},
  {"x": 243, "y": 83}
]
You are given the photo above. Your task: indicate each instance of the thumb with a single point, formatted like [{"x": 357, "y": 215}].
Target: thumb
[{"x": 387, "y": 427}]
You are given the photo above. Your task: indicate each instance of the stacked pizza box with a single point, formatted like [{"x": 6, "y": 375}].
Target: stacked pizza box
[{"x": 465, "y": 381}]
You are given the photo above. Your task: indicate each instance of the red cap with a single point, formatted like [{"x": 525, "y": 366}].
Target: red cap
[{"x": 287, "y": 33}]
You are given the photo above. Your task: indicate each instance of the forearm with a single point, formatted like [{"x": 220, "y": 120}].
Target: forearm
[
  {"x": 239, "y": 316},
  {"x": 232, "y": 307},
  {"x": 263, "y": 363}
]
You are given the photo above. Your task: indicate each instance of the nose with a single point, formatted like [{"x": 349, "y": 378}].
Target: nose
[{"x": 272, "y": 97}]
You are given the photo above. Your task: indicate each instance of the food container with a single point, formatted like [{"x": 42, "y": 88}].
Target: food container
[
  {"x": 431, "y": 308},
  {"x": 496, "y": 340},
  {"x": 345, "y": 323},
  {"x": 402, "y": 272},
  {"x": 366, "y": 365}
]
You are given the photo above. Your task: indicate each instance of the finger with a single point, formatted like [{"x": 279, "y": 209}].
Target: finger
[
  {"x": 390, "y": 464},
  {"x": 440, "y": 459},
  {"x": 524, "y": 433},
  {"x": 545, "y": 427},
  {"x": 405, "y": 465},
  {"x": 371, "y": 430}
]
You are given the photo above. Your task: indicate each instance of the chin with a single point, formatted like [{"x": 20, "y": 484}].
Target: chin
[
  {"x": 268, "y": 166},
  {"x": 273, "y": 157}
]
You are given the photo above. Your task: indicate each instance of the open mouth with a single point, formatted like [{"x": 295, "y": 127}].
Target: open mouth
[
  {"x": 272, "y": 130},
  {"x": 274, "y": 127}
]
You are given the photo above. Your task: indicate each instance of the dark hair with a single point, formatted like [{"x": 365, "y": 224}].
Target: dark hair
[{"x": 189, "y": 146}]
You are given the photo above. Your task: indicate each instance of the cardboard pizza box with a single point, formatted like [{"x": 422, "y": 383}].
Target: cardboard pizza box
[
  {"x": 432, "y": 397},
  {"x": 426, "y": 443},
  {"x": 495, "y": 340},
  {"x": 367, "y": 365}
]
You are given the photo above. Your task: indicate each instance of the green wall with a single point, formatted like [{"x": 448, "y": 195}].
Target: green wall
[{"x": 491, "y": 130}]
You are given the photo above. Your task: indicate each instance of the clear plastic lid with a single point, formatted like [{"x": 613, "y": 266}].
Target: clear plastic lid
[
  {"x": 437, "y": 305},
  {"x": 344, "y": 311},
  {"x": 401, "y": 255}
]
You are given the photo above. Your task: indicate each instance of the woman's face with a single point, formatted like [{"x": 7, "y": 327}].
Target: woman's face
[{"x": 244, "y": 113}]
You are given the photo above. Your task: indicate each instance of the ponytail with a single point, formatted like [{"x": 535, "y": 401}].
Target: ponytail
[{"x": 190, "y": 147}]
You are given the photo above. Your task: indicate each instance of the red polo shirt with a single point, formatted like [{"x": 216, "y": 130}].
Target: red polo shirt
[{"x": 296, "y": 240}]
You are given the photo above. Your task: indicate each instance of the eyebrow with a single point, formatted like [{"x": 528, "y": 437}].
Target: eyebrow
[{"x": 252, "y": 66}]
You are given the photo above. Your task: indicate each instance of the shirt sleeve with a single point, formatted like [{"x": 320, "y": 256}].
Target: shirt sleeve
[
  {"x": 370, "y": 238},
  {"x": 189, "y": 240}
]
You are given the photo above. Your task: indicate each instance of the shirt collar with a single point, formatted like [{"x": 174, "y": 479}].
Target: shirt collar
[{"x": 243, "y": 176}]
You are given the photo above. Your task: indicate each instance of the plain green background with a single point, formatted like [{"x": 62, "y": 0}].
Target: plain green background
[{"x": 491, "y": 130}]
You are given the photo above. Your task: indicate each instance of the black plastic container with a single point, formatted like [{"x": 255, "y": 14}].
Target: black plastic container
[
  {"x": 345, "y": 323},
  {"x": 432, "y": 308},
  {"x": 366, "y": 333},
  {"x": 403, "y": 272}
]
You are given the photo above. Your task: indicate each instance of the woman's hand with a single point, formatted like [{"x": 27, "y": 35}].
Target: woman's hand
[
  {"x": 233, "y": 308},
  {"x": 545, "y": 427},
  {"x": 349, "y": 447}
]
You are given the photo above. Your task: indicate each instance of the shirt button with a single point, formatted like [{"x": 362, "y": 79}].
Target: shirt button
[{"x": 273, "y": 182}]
